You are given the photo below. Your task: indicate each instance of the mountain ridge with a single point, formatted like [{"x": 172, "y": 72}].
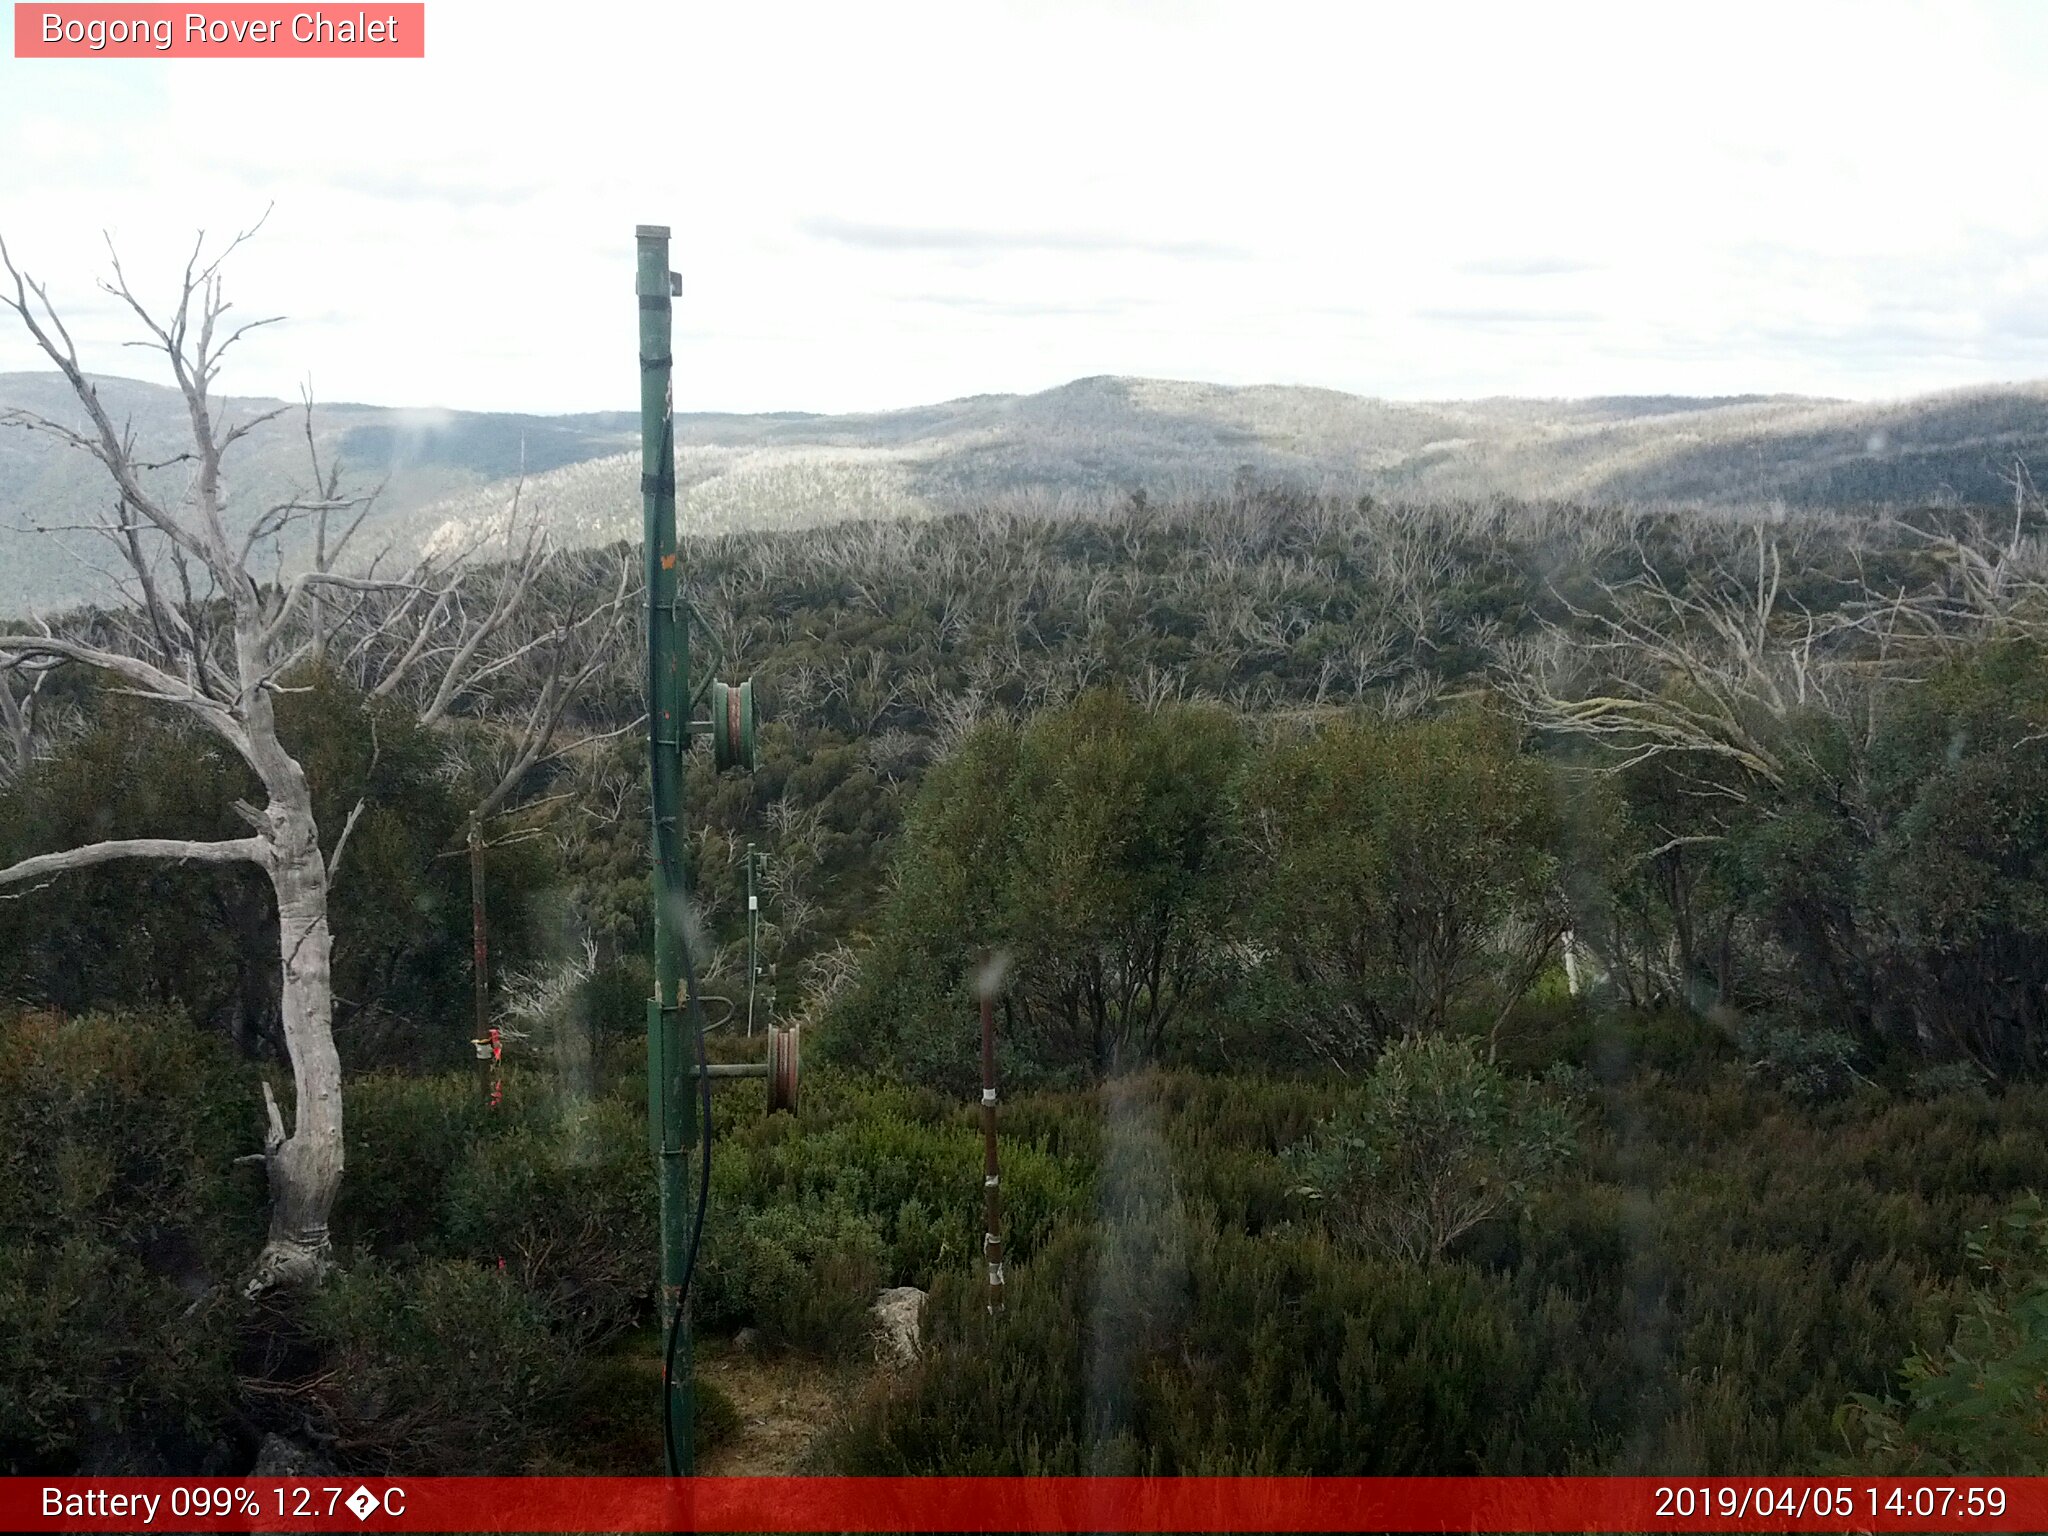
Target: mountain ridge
[{"x": 1078, "y": 445}]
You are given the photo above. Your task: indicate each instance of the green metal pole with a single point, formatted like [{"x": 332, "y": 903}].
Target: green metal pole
[{"x": 671, "y": 1106}]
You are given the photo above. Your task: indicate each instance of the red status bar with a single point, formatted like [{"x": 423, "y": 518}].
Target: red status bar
[{"x": 1024, "y": 1504}]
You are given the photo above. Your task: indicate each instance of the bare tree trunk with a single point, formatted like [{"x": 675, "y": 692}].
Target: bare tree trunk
[
  {"x": 17, "y": 717},
  {"x": 305, "y": 1167},
  {"x": 221, "y": 656}
]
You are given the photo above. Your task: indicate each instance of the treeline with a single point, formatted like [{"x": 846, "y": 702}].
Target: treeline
[
  {"x": 1783, "y": 769},
  {"x": 1789, "y": 764},
  {"x": 1171, "y": 884},
  {"x": 1157, "y": 885}
]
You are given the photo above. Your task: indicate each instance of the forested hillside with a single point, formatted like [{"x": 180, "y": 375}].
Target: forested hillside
[
  {"x": 447, "y": 475},
  {"x": 1490, "y": 986}
]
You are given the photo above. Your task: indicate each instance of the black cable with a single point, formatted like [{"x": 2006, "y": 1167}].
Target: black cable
[{"x": 675, "y": 1322}]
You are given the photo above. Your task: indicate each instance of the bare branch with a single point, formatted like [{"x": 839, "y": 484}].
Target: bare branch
[{"x": 247, "y": 850}]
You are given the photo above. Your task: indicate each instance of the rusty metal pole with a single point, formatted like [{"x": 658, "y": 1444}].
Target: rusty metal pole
[
  {"x": 479, "y": 935},
  {"x": 991, "y": 1178}
]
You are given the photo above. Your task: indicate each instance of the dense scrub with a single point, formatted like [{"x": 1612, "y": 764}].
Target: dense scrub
[
  {"x": 498, "y": 1262},
  {"x": 1470, "y": 1004},
  {"x": 1714, "y": 1276},
  {"x": 1711, "y": 1274},
  {"x": 204, "y": 940}
]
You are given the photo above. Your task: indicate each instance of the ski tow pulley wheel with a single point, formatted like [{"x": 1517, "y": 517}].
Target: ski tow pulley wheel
[
  {"x": 732, "y": 725},
  {"x": 783, "y": 1048}
]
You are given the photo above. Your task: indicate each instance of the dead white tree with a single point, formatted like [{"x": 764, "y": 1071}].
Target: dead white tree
[
  {"x": 505, "y": 647},
  {"x": 1702, "y": 677},
  {"x": 1692, "y": 672},
  {"x": 213, "y": 649},
  {"x": 204, "y": 636},
  {"x": 1987, "y": 583},
  {"x": 20, "y": 692}
]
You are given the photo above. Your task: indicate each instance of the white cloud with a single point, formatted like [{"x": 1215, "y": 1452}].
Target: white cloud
[{"x": 885, "y": 204}]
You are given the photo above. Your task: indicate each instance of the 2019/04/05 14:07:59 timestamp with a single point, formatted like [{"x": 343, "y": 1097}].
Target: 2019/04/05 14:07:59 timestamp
[{"x": 1739, "y": 1500}]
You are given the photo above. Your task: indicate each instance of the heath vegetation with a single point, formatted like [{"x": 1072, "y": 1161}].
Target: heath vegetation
[{"x": 1491, "y": 986}]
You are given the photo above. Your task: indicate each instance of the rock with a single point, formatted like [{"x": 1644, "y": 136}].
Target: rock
[
  {"x": 896, "y": 1322},
  {"x": 279, "y": 1457}
]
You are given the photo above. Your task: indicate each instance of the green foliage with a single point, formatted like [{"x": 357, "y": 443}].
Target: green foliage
[
  {"x": 1978, "y": 1407},
  {"x": 148, "y": 933},
  {"x": 405, "y": 1137},
  {"x": 569, "y": 1206},
  {"x": 1168, "y": 1347},
  {"x": 1406, "y": 873},
  {"x": 1438, "y": 1143},
  {"x": 556, "y": 1187},
  {"x": 154, "y": 934},
  {"x": 1112, "y": 896},
  {"x": 1890, "y": 884},
  {"x": 803, "y": 1274},
  {"x": 1088, "y": 850},
  {"x": 872, "y": 1184},
  {"x": 87, "y": 1147},
  {"x": 119, "y": 1210},
  {"x": 1809, "y": 1064},
  {"x": 907, "y": 1163},
  {"x": 400, "y": 904},
  {"x": 103, "y": 1364},
  {"x": 445, "y": 1364},
  {"x": 1699, "y": 1288},
  {"x": 1958, "y": 880}
]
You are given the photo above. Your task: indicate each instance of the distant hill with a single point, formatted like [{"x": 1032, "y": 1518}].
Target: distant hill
[
  {"x": 1076, "y": 446},
  {"x": 424, "y": 457}
]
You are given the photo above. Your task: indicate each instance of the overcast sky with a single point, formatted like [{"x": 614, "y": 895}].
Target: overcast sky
[{"x": 882, "y": 204}]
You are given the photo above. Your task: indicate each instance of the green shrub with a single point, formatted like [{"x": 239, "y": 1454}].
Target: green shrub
[
  {"x": 1700, "y": 1288},
  {"x": 1807, "y": 1064},
  {"x": 444, "y": 1368},
  {"x": 1090, "y": 848},
  {"x": 1405, "y": 874},
  {"x": 1438, "y": 1143},
  {"x": 1278, "y": 1356},
  {"x": 121, "y": 1214},
  {"x": 105, "y": 1366},
  {"x": 1980, "y": 1406},
  {"x": 908, "y": 1163},
  {"x": 406, "y": 1137},
  {"x": 570, "y": 1207},
  {"x": 125, "y": 1128},
  {"x": 805, "y": 1275}
]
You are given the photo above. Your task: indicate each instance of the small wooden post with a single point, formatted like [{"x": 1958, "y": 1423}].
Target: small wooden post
[{"x": 991, "y": 1180}]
